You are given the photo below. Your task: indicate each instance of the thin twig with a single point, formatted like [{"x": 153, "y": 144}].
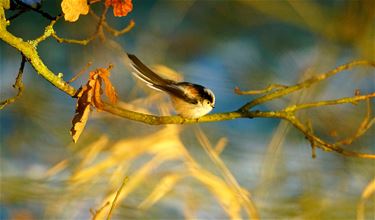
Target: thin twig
[
  {"x": 37, "y": 10},
  {"x": 366, "y": 124},
  {"x": 14, "y": 16},
  {"x": 305, "y": 84},
  {"x": 352, "y": 100},
  {"x": 95, "y": 213},
  {"x": 230, "y": 179},
  {"x": 99, "y": 28},
  {"x": 317, "y": 142},
  {"x": 82, "y": 71},
  {"x": 269, "y": 88},
  {"x": 117, "y": 33},
  {"x": 17, "y": 85},
  {"x": 116, "y": 197},
  {"x": 110, "y": 29}
]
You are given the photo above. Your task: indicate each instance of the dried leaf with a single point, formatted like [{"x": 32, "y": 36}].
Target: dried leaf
[
  {"x": 79, "y": 121},
  {"x": 73, "y": 9},
  {"x": 110, "y": 91},
  {"x": 120, "y": 7},
  {"x": 97, "y": 93},
  {"x": 90, "y": 94},
  {"x": 85, "y": 96}
]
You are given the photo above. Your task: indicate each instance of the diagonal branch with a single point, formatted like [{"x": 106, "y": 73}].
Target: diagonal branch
[
  {"x": 17, "y": 85},
  {"x": 352, "y": 100},
  {"x": 317, "y": 142},
  {"x": 305, "y": 84}
]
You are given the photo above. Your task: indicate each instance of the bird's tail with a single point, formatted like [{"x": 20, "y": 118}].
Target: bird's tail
[{"x": 142, "y": 72}]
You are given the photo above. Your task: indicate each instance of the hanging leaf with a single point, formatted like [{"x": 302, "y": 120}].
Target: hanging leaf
[
  {"x": 90, "y": 95},
  {"x": 110, "y": 91},
  {"x": 74, "y": 8},
  {"x": 82, "y": 110},
  {"x": 120, "y": 7}
]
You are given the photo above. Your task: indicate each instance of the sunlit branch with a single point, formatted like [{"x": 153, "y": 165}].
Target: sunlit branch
[
  {"x": 96, "y": 213},
  {"x": 29, "y": 50},
  {"x": 317, "y": 142},
  {"x": 17, "y": 85},
  {"x": 366, "y": 123},
  {"x": 269, "y": 88},
  {"x": 229, "y": 178},
  {"x": 305, "y": 84},
  {"x": 352, "y": 100},
  {"x": 116, "y": 197}
]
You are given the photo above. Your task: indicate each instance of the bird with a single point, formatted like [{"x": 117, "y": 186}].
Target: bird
[{"x": 189, "y": 100}]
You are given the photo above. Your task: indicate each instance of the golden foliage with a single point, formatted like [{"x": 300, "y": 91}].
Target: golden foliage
[
  {"x": 161, "y": 147},
  {"x": 366, "y": 194}
]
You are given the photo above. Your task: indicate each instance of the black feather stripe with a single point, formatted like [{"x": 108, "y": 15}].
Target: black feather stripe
[{"x": 147, "y": 74}]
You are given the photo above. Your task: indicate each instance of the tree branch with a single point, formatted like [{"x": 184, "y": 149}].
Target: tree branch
[
  {"x": 29, "y": 50},
  {"x": 305, "y": 84},
  {"x": 17, "y": 85},
  {"x": 352, "y": 100}
]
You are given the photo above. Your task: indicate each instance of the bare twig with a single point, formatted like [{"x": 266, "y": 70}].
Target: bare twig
[
  {"x": 352, "y": 100},
  {"x": 305, "y": 84},
  {"x": 25, "y": 7},
  {"x": 95, "y": 213},
  {"x": 246, "y": 200},
  {"x": 116, "y": 197},
  {"x": 82, "y": 71},
  {"x": 113, "y": 31},
  {"x": 367, "y": 192},
  {"x": 317, "y": 142},
  {"x": 366, "y": 123},
  {"x": 17, "y": 85},
  {"x": 269, "y": 88}
]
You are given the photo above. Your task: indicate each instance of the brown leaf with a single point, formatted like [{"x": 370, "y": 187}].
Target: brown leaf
[
  {"x": 97, "y": 93},
  {"x": 84, "y": 100},
  {"x": 73, "y": 9},
  {"x": 90, "y": 94},
  {"x": 82, "y": 111},
  {"x": 120, "y": 7},
  {"x": 110, "y": 91}
]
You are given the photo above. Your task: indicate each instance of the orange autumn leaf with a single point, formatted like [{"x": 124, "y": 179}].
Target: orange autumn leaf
[
  {"x": 97, "y": 101},
  {"x": 120, "y": 7},
  {"x": 110, "y": 91},
  {"x": 74, "y": 8},
  {"x": 90, "y": 95}
]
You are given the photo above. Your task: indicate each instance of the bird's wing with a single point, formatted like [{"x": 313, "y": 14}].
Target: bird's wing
[{"x": 178, "y": 91}]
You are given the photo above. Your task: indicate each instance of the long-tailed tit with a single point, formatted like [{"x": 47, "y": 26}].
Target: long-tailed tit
[{"x": 189, "y": 100}]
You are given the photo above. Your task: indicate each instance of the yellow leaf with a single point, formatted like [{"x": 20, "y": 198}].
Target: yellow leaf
[{"x": 73, "y": 9}]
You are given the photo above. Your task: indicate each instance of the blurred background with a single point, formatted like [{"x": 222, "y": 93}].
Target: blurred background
[{"x": 172, "y": 171}]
